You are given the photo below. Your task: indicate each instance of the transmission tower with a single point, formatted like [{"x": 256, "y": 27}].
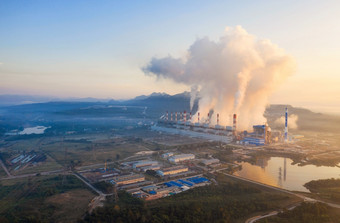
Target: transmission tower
[
  {"x": 115, "y": 192},
  {"x": 65, "y": 161}
]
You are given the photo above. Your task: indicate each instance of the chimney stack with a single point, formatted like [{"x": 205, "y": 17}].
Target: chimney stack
[
  {"x": 234, "y": 124},
  {"x": 286, "y": 125}
]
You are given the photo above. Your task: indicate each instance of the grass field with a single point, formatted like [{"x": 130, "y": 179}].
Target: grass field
[
  {"x": 44, "y": 199},
  {"x": 2, "y": 172},
  {"x": 80, "y": 149}
]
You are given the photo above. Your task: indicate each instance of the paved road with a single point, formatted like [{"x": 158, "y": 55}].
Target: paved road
[
  {"x": 5, "y": 168},
  {"x": 32, "y": 174},
  {"x": 99, "y": 200},
  {"x": 253, "y": 219},
  {"x": 258, "y": 217},
  {"x": 88, "y": 184}
]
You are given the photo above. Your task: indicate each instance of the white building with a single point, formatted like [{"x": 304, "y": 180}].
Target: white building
[{"x": 181, "y": 157}]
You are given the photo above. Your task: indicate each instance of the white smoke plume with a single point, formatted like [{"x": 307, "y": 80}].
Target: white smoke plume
[
  {"x": 292, "y": 121},
  {"x": 235, "y": 74},
  {"x": 193, "y": 95}
]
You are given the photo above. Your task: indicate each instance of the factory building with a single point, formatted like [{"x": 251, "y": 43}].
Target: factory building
[
  {"x": 180, "y": 158},
  {"x": 261, "y": 135},
  {"x": 253, "y": 141},
  {"x": 172, "y": 170},
  {"x": 144, "y": 163},
  {"x": 167, "y": 155},
  {"x": 128, "y": 179},
  {"x": 152, "y": 167}
]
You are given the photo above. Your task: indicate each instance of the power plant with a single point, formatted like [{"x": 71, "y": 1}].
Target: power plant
[{"x": 260, "y": 135}]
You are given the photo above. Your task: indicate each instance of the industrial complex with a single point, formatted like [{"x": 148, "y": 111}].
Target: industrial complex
[
  {"x": 181, "y": 123},
  {"x": 151, "y": 175}
]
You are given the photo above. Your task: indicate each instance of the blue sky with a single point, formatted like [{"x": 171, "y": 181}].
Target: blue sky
[{"x": 96, "y": 48}]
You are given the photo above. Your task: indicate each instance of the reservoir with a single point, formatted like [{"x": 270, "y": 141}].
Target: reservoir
[
  {"x": 33, "y": 130},
  {"x": 280, "y": 172}
]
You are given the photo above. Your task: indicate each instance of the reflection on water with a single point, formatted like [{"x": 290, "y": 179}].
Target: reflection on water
[{"x": 280, "y": 172}]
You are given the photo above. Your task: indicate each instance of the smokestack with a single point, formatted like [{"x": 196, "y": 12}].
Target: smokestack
[
  {"x": 218, "y": 118},
  {"x": 185, "y": 116},
  {"x": 208, "y": 118},
  {"x": 198, "y": 118},
  {"x": 265, "y": 133},
  {"x": 171, "y": 116},
  {"x": 234, "y": 124},
  {"x": 176, "y": 116},
  {"x": 190, "y": 117},
  {"x": 167, "y": 115},
  {"x": 286, "y": 125}
]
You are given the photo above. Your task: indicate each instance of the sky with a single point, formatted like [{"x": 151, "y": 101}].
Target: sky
[{"x": 97, "y": 48}]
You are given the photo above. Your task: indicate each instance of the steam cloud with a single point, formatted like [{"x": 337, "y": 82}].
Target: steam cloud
[
  {"x": 292, "y": 121},
  {"x": 235, "y": 74}
]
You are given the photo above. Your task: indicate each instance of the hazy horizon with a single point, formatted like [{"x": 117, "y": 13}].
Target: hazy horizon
[{"x": 81, "y": 49}]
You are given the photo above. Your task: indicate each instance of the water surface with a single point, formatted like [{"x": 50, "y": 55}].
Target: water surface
[
  {"x": 273, "y": 171},
  {"x": 33, "y": 130}
]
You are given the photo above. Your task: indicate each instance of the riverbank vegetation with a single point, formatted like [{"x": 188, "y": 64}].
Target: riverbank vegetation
[
  {"x": 306, "y": 213},
  {"x": 327, "y": 189}
]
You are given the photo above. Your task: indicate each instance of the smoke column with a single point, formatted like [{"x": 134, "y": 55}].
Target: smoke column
[
  {"x": 292, "y": 124},
  {"x": 235, "y": 74}
]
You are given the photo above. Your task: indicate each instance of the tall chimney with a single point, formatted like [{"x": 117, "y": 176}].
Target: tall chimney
[
  {"x": 176, "y": 116},
  {"x": 198, "y": 118},
  {"x": 218, "y": 118},
  {"x": 167, "y": 115},
  {"x": 286, "y": 125},
  {"x": 171, "y": 116},
  {"x": 190, "y": 117},
  {"x": 185, "y": 117},
  {"x": 234, "y": 124}
]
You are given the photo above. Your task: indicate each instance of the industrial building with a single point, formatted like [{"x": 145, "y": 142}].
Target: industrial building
[
  {"x": 253, "y": 141},
  {"x": 128, "y": 179},
  {"x": 204, "y": 129},
  {"x": 152, "y": 167},
  {"x": 172, "y": 170},
  {"x": 208, "y": 162},
  {"x": 181, "y": 157},
  {"x": 261, "y": 135},
  {"x": 144, "y": 163},
  {"x": 167, "y": 155}
]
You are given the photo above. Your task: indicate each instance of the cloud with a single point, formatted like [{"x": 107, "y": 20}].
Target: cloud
[{"x": 235, "y": 74}]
